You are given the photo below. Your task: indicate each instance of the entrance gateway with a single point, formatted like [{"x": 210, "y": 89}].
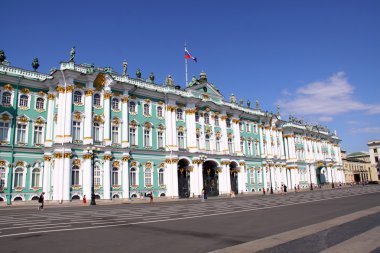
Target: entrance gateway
[
  {"x": 183, "y": 178},
  {"x": 210, "y": 178}
]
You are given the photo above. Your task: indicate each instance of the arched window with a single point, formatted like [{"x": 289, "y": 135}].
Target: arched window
[
  {"x": 159, "y": 112},
  {"x": 23, "y": 101},
  {"x": 146, "y": 110},
  {"x": 179, "y": 114},
  {"x": 132, "y": 107},
  {"x": 252, "y": 177},
  {"x": 96, "y": 132},
  {"x": 181, "y": 140},
  {"x": 242, "y": 146},
  {"x": 230, "y": 148},
  {"x": 115, "y": 134},
  {"x": 19, "y": 177},
  {"x": 115, "y": 104},
  {"x": 21, "y": 133},
  {"x": 259, "y": 177},
  {"x": 196, "y": 116},
  {"x": 216, "y": 121},
  {"x": 249, "y": 148},
  {"x": 115, "y": 176},
  {"x": 4, "y": 131},
  {"x": 217, "y": 144},
  {"x": 133, "y": 176},
  {"x": 2, "y": 178},
  {"x": 97, "y": 181},
  {"x": 77, "y": 97},
  {"x": 161, "y": 177},
  {"x": 228, "y": 123},
  {"x": 207, "y": 140},
  {"x": 132, "y": 136},
  {"x": 6, "y": 98},
  {"x": 96, "y": 99},
  {"x": 241, "y": 128},
  {"x": 76, "y": 130},
  {"x": 256, "y": 149},
  {"x": 148, "y": 177},
  {"x": 147, "y": 137},
  {"x": 207, "y": 118},
  {"x": 160, "y": 139},
  {"x": 75, "y": 175}
]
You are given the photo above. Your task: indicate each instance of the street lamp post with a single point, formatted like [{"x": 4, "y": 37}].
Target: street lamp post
[
  {"x": 311, "y": 182},
  {"x": 271, "y": 184},
  {"x": 92, "y": 151},
  {"x": 332, "y": 178},
  {"x": 202, "y": 158}
]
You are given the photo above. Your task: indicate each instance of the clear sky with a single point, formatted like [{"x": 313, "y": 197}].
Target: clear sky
[{"x": 319, "y": 60}]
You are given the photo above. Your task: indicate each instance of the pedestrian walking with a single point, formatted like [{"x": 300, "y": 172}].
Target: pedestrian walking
[
  {"x": 151, "y": 197},
  {"x": 41, "y": 200},
  {"x": 263, "y": 191},
  {"x": 285, "y": 189},
  {"x": 295, "y": 188},
  {"x": 84, "y": 199},
  {"x": 204, "y": 193}
]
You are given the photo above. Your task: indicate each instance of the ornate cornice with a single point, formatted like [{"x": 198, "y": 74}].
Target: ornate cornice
[
  {"x": 107, "y": 95},
  {"x": 51, "y": 96},
  {"x": 107, "y": 157},
  {"x": 87, "y": 156},
  {"x": 88, "y": 92},
  {"x": 125, "y": 158}
]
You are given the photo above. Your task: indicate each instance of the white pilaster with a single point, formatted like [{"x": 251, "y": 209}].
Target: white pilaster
[
  {"x": 125, "y": 125},
  {"x": 47, "y": 176},
  {"x": 107, "y": 176},
  {"x": 125, "y": 180},
  {"x": 107, "y": 117},
  {"x": 87, "y": 137},
  {"x": 87, "y": 175},
  {"x": 50, "y": 121}
]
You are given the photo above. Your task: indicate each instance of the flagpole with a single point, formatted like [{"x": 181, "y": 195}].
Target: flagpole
[{"x": 186, "y": 68}]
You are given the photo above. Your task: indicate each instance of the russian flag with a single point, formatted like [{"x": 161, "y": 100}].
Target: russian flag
[{"x": 189, "y": 56}]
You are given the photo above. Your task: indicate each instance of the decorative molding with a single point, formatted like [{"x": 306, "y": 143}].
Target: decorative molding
[
  {"x": 8, "y": 87},
  {"x": 116, "y": 164},
  {"x": 88, "y": 92},
  {"x": 25, "y": 91},
  {"x": 77, "y": 162},
  {"x": 107, "y": 157}
]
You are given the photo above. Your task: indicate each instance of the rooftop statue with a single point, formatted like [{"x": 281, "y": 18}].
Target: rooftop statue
[
  {"x": 193, "y": 81},
  {"x": 233, "y": 99},
  {"x": 241, "y": 103},
  {"x": 138, "y": 73},
  {"x": 151, "y": 77},
  {"x": 2, "y": 56},
  {"x": 169, "y": 81},
  {"x": 278, "y": 109},
  {"x": 125, "y": 67},
  {"x": 248, "y": 103},
  {"x": 35, "y": 64},
  {"x": 72, "y": 54},
  {"x": 257, "y": 104}
]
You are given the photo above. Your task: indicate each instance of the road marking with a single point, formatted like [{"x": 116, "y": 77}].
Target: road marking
[
  {"x": 365, "y": 242},
  {"x": 275, "y": 240},
  {"x": 180, "y": 218},
  {"x": 51, "y": 227}
]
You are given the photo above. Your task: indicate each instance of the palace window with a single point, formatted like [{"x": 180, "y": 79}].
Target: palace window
[
  {"x": 181, "y": 140},
  {"x": 252, "y": 177},
  {"x": 75, "y": 175},
  {"x": 179, "y": 114},
  {"x": 242, "y": 146},
  {"x": 147, "y": 138},
  {"x": 115, "y": 104},
  {"x": 248, "y": 127},
  {"x": 160, "y": 139},
  {"x": 6, "y": 98},
  {"x": 148, "y": 177},
  {"x": 161, "y": 177},
  {"x": 97, "y": 181},
  {"x": 207, "y": 118},
  {"x": 4, "y": 131},
  {"x": 21, "y": 133},
  {"x": 146, "y": 110},
  {"x": 19, "y": 178},
  {"x": 228, "y": 123},
  {"x": 196, "y": 116},
  {"x": 38, "y": 135},
  {"x": 115, "y": 176},
  {"x": 255, "y": 128},
  {"x": 216, "y": 121},
  {"x": 76, "y": 130},
  {"x": 249, "y": 148},
  {"x": 241, "y": 127},
  {"x": 40, "y": 103},
  {"x": 2, "y": 178},
  {"x": 217, "y": 144},
  {"x": 77, "y": 97},
  {"x": 24, "y": 99},
  {"x": 207, "y": 141},
  {"x": 96, "y": 132},
  {"x": 159, "y": 112},
  {"x": 115, "y": 134},
  {"x": 133, "y": 176},
  {"x": 97, "y": 99},
  {"x": 132, "y": 136},
  {"x": 132, "y": 107},
  {"x": 230, "y": 148}
]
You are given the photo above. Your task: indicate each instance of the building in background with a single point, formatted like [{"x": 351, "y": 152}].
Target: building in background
[
  {"x": 83, "y": 125},
  {"x": 374, "y": 151},
  {"x": 357, "y": 168}
]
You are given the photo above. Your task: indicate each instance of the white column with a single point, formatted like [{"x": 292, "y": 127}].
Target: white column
[
  {"x": 125, "y": 125},
  {"x": 60, "y": 115},
  {"x": 268, "y": 142},
  {"x": 57, "y": 176},
  {"x": 262, "y": 153},
  {"x": 49, "y": 122},
  {"x": 87, "y": 127},
  {"x": 66, "y": 176},
  {"x": 68, "y": 110},
  {"x": 223, "y": 127},
  {"x": 193, "y": 180},
  {"x": 87, "y": 175},
  {"x": 236, "y": 129},
  {"x": 107, "y": 176},
  {"x": 242, "y": 179},
  {"x": 265, "y": 180},
  {"x": 107, "y": 118},
  {"x": 199, "y": 176},
  {"x": 226, "y": 167},
  {"x": 125, "y": 181},
  {"x": 47, "y": 170},
  {"x": 190, "y": 127},
  {"x": 169, "y": 126}
]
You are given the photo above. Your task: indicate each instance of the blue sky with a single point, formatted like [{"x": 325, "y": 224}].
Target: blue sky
[{"x": 319, "y": 60}]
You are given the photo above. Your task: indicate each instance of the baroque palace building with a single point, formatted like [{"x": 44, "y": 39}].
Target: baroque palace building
[{"x": 61, "y": 132}]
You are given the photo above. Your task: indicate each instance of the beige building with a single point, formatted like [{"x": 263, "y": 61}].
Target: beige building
[
  {"x": 374, "y": 152},
  {"x": 357, "y": 167}
]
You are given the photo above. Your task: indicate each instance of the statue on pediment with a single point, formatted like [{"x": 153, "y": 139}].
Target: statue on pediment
[
  {"x": 35, "y": 64},
  {"x": 233, "y": 99},
  {"x": 138, "y": 73},
  {"x": 72, "y": 54}
]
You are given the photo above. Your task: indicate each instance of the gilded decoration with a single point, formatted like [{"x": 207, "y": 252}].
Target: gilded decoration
[
  {"x": 197, "y": 130},
  {"x": 242, "y": 163},
  {"x": 161, "y": 127},
  {"x": 147, "y": 100},
  {"x": 190, "y": 111},
  {"x": 76, "y": 162},
  {"x": 60, "y": 89},
  {"x": 196, "y": 161},
  {"x": 19, "y": 189},
  {"x": 124, "y": 99},
  {"x": 116, "y": 164},
  {"x": 25, "y": 91},
  {"x": 2, "y": 163},
  {"x": 133, "y": 97},
  {"x": 172, "y": 160},
  {"x": 88, "y": 92},
  {"x": 147, "y": 125},
  {"x": 107, "y": 157},
  {"x": 218, "y": 134},
  {"x": 107, "y": 95},
  {"x": 205, "y": 97},
  {"x": 20, "y": 163},
  {"x": 207, "y": 109},
  {"x": 160, "y": 102},
  {"x": 133, "y": 124},
  {"x": 5, "y": 117},
  {"x": 230, "y": 135},
  {"x": 23, "y": 119},
  {"x": 8, "y": 87},
  {"x": 99, "y": 82},
  {"x": 57, "y": 155},
  {"x": 162, "y": 165},
  {"x": 98, "y": 118},
  {"x": 39, "y": 121},
  {"x": 181, "y": 129},
  {"x": 67, "y": 155},
  {"x": 41, "y": 93},
  {"x": 223, "y": 117},
  {"x": 171, "y": 108},
  {"x": 87, "y": 156},
  {"x": 51, "y": 96},
  {"x": 116, "y": 94},
  {"x": 69, "y": 88},
  {"x": 236, "y": 121},
  {"x": 225, "y": 162},
  {"x": 148, "y": 165},
  {"x": 77, "y": 116},
  {"x": 134, "y": 164}
]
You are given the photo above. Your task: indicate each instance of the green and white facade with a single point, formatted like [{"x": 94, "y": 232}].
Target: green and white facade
[{"x": 137, "y": 136}]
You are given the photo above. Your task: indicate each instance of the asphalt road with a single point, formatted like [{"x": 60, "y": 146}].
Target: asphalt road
[{"x": 188, "y": 226}]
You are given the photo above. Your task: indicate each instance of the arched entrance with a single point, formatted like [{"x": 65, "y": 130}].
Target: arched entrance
[
  {"x": 210, "y": 178},
  {"x": 234, "y": 177},
  {"x": 321, "y": 175},
  {"x": 183, "y": 179}
]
